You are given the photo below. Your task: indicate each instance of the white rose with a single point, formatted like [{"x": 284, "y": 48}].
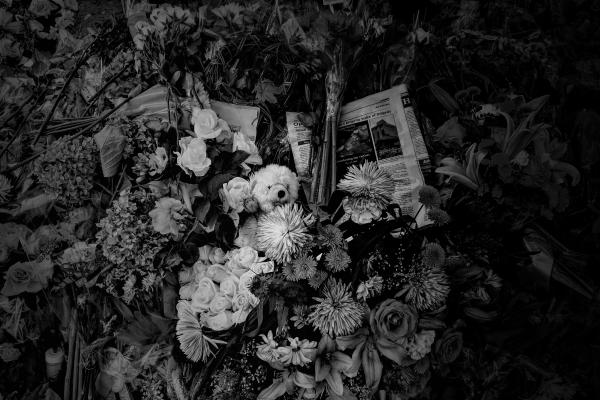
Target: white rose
[
  {"x": 242, "y": 142},
  {"x": 263, "y": 267},
  {"x": 192, "y": 158},
  {"x": 187, "y": 291},
  {"x": 217, "y": 256},
  {"x": 244, "y": 301},
  {"x": 217, "y": 272},
  {"x": 229, "y": 286},
  {"x": 186, "y": 275},
  {"x": 240, "y": 260},
  {"x": 220, "y": 322},
  {"x": 204, "y": 253},
  {"x": 219, "y": 303},
  {"x": 157, "y": 162},
  {"x": 207, "y": 125},
  {"x": 203, "y": 295},
  {"x": 200, "y": 268},
  {"x": 234, "y": 193}
]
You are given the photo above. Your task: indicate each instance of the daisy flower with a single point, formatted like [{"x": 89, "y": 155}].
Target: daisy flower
[{"x": 282, "y": 233}]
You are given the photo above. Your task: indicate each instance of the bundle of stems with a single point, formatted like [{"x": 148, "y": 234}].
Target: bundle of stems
[{"x": 325, "y": 156}]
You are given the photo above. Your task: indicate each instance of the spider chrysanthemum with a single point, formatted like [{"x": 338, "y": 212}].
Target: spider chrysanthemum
[
  {"x": 193, "y": 342},
  {"x": 425, "y": 287},
  {"x": 282, "y": 233},
  {"x": 368, "y": 181},
  {"x": 336, "y": 312}
]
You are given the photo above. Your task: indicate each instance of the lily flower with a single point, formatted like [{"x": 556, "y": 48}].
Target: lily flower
[
  {"x": 365, "y": 354},
  {"x": 330, "y": 364},
  {"x": 469, "y": 175}
]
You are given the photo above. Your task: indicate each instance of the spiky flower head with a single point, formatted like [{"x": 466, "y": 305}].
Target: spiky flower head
[
  {"x": 317, "y": 279},
  {"x": 282, "y": 233},
  {"x": 368, "y": 181},
  {"x": 193, "y": 342},
  {"x": 337, "y": 259},
  {"x": 289, "y": 273},
  {"x": 331, "y": 236},
  {"x": 438, "y": 216},
  {"x": 433, "y": 255},
  {"x": 425, "y": 287},
  {"x": 305, "y": 266},
  {"x": 429, "y": 196},
  {"x": 336, "y": 312}
]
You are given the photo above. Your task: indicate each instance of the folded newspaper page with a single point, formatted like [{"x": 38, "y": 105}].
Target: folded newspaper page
[{"x": 381, "y": 128}]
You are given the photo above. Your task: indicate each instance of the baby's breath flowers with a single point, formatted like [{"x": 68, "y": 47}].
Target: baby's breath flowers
[
  {"x": 67, "y": 169},
  {"x": 336, "y": 312},
  {"x": 282, "y": 233}
]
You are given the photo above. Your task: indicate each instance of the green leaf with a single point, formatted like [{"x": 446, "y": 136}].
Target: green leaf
[
  {"x": 266, "y": 91},
  {"x": 111, "y": 143}
]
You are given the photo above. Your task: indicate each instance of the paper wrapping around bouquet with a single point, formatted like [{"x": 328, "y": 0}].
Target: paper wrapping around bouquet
[{"x": 54, "y": 361}]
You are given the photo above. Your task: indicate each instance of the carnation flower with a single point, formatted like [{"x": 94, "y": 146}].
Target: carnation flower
[
  {"x": 167, "y": 215},
  {"x": 193, "y": 158},
  {"x": 282, "y": 232},
  {"x": 337, "y": 259},
  {"x": 207, "y": 125},
  {"x": 157, "y": 162},
  {"x": 425, "y": 287},
  {"x": 370, "y": 182},
  {"x": 429, "y": 196},
  {"x": 433, "y": 255},
  {"x": 336, "y": 312},
  {"x": 193, "y": 342}
]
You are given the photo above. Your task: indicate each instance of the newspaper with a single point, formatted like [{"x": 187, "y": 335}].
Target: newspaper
[{"x": 381, "y": 128}]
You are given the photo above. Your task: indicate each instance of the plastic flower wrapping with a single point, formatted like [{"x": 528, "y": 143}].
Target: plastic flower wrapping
[{"x": 160, "y": 239}]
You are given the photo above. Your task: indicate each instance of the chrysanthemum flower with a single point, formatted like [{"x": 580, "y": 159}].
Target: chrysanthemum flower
[
  {"x": 433, "y": 255},
  {"x": 317, "y": 279},
  {"x": 336, "y": 313},
  {"x": 305, "y": 266},
  {"x": 337, "y": 259},
  {"x": 438, "y": 216},
  {"x": 425, "y": 287},
  {"x": 331, "y": 236},
  {"x": 282, "y": 232},
  {"x": 289, "y": 273},
  {"x": 429, "y": 196},
  {"x": 368, "y": 181},
  {"x": 193, "y": 342}
]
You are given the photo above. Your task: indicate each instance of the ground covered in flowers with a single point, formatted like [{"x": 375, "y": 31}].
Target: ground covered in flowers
[{"x": 157, "y": 241}]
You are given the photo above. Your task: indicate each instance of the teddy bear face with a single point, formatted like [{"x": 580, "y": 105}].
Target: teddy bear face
[{"x": 274, "y": 185}]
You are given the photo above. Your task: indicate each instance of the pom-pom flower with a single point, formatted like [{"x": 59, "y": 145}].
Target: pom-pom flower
[
  {"x": 433, "y": 255},
  {"x": 336, "y": 312},
  {"x": 282, "y": 232},
  {"x": 438, "y": 216},
  {"x": 368, "y": 181},
  {"x": 429, "y": 196}
]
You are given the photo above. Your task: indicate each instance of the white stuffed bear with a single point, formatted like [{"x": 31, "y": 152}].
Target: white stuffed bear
[{"x": 274, "y": 185}]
